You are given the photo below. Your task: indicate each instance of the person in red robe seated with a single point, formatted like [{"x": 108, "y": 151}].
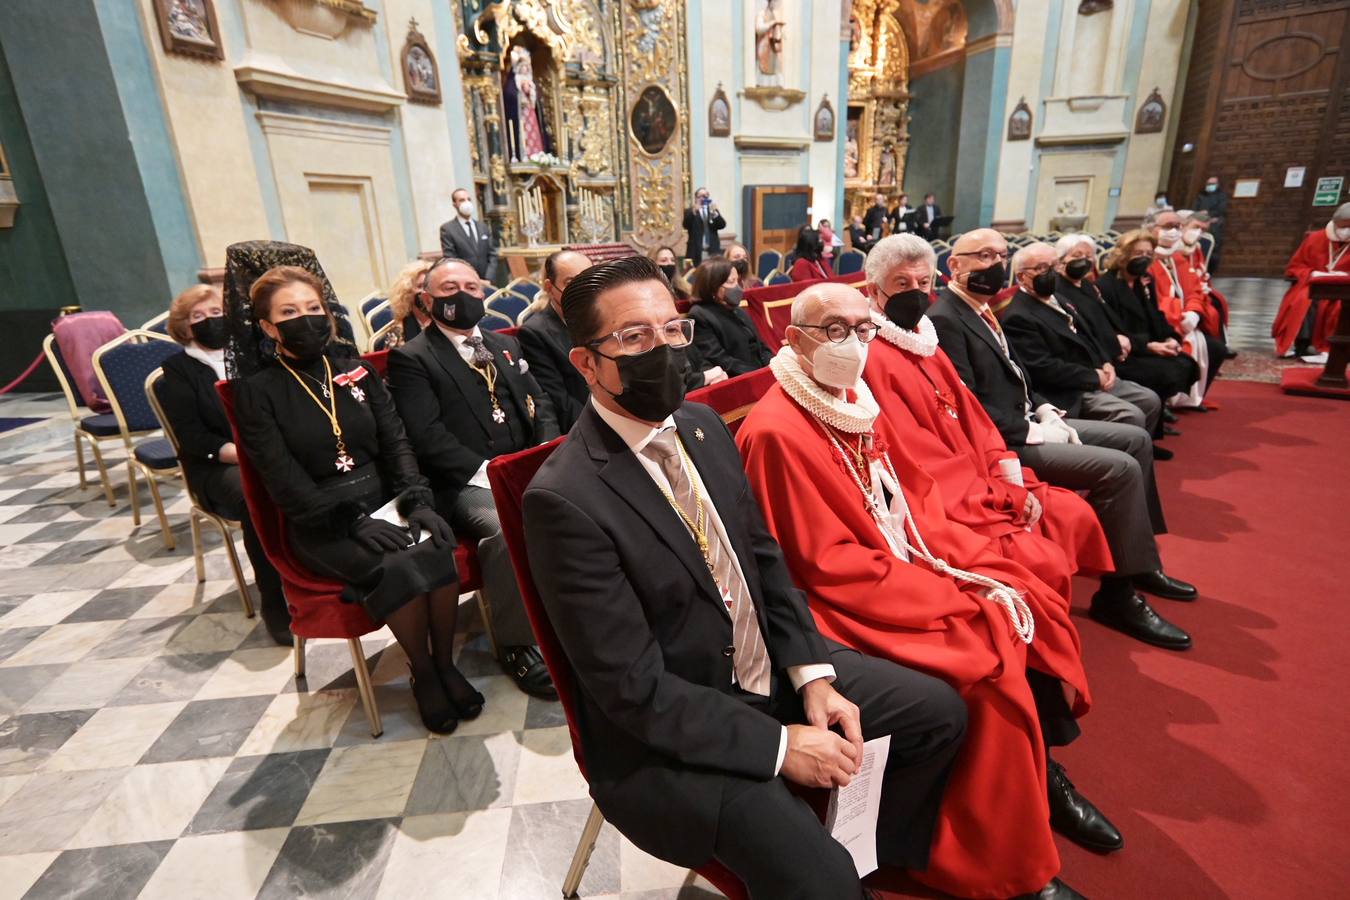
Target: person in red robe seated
[
  {"x": 1183, "y": 302},
  {"x": 863, "y": 529},
  {"x": 1195, "y": 256},
  {"x": 1298, "y": 324},
  {"x": 810, "y": 264},
  {"x": 1050, "y": 530}
]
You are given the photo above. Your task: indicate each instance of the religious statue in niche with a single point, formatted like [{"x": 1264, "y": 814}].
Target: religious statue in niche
[
  {"x": 824, "y": 120},
  {"x": 1019, "y": 123},
  {"x": 524, "y": 104},
  {"x": 769, "y": 25},
  {"x": 421, "y": 77},
  {"x": 886, "y": 166},
  {"x": 1088, "y": 7},
  {"x": 189, "y": 27},
  {"x": 851, "y": 147},
  {"x": 719, "y": 114},
  {"x": 854, "y": 34},
  {"x": 1149, "y": 119},
  {"x": 654, "y": 119}
]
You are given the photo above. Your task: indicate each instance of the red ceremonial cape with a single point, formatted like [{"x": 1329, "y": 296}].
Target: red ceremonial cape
[
  {"x": 1312, "y": 255},
  {"x": 1195, "y": 259},
  {"x": 993, "y": 837},
  {"x": 962, "y": 453},
  {"x": 1192, "y": 299}
]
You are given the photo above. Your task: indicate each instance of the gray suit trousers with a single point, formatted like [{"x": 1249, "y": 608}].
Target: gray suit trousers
[
  {"x": 474, "y": 515},
  {"x": 1114, "y": 465},
  {"x": 1127, "y": 402}
]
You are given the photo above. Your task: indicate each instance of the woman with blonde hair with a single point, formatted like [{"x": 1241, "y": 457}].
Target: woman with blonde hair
[{"x": 408, "y": 317}]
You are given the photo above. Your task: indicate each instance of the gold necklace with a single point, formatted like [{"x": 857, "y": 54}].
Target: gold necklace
[
  {"x": 489, "y": 374},
  {"x": 698, "y": 525},
  {"x": 344, "y": 462}
]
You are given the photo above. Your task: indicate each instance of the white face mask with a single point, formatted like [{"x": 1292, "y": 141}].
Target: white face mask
[
  {"x": 839, "y": 365},
  {"x": 1190, "y": 236},
  {"x": 1169, "y": 236},
  {"x": 1342, "y": 234},
  {"x": 466, "y": 208}
]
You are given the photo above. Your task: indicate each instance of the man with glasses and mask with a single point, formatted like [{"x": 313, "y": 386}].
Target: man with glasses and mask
[
  {"x": 864, "y": 531},
  {"x": 703, "y": 684},
  {"x": 1113, "y": 462},
  {"x": 465, "y": 395}
]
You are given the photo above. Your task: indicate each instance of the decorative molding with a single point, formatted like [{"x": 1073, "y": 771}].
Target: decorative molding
[
  {"x": 761, "y": 142},
  {"x": 261, "y": 77},
  {"x": 774, "y": 99},
  {"x": 313, "y": 128},
  {"x": 936, "y": 61},
  {"x": 1084, "y": 141},
  {"x": 327, "y": 19},
  {"x": 988, "y": 42}
]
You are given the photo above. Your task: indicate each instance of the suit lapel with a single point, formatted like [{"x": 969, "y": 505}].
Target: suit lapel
[
  {"x": 1059, "y": 324},
  {"x": 972, "y": 321},
  {"x": 464, "y": 378}
]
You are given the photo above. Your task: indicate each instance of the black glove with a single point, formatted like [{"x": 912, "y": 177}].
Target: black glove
[
  {"x": 426, "y": 519},
  {"x": 378, "y": 535}
]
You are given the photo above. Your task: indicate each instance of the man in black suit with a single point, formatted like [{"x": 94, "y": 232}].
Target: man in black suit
[
  {"x": 1113, "y": 462},
  {"x": 466, "y": 395},
  {"x": 544, "y": 341},
  {"x": 875, "y": 217},
  {"x": 466, "y": 238},
  {"x": 1064, "y": 358},
  {"x": 926, "y": 216},
  {"x": 703, "y": 685},
  {"x": 703, "y": 220}
]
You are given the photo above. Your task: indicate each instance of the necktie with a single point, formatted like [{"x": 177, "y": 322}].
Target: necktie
[
  {"x": 751, "y": 658},
  {"x": 482, "y": 356}
]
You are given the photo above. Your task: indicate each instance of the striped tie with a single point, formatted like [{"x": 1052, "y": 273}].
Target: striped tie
[{"x": 751, "y": 658}]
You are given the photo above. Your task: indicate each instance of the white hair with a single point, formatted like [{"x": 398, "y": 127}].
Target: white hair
[
  {"x": 1022, "y": 255},
  {"x": 1342, "y": 212},
  {"x": 898, "y": 250},
  {"x": 1064, "y": 246}
]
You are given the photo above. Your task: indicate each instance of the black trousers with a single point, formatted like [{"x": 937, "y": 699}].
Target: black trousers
[
  {"x": 1058, "y": 726},
  {"x": 773, "y": 841},
  {"x": 222, "y": 492}
]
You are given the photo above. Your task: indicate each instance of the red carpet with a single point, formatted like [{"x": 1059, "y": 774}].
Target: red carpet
[{"x": 1226, "y": 767}]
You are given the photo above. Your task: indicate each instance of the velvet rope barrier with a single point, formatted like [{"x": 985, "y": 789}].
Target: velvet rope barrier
[{"x": 26, "y": 372}]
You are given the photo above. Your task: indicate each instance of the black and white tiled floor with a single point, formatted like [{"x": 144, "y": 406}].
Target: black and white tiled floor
[{"x": 154, "y": 742}]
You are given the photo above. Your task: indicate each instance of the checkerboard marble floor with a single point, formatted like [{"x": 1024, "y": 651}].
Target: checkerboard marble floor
[{"x": 154, "y": 742}]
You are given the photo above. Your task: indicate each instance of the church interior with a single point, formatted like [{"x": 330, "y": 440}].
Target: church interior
[{"x": 160, "y": 739}]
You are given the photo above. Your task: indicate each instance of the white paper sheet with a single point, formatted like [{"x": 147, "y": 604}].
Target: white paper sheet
[
  {"x": 389, "y": 513},
  {"x": 854, "y": 809}
]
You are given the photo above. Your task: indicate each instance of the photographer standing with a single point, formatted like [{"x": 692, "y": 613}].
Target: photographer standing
[{"x": 703, "y": 221}]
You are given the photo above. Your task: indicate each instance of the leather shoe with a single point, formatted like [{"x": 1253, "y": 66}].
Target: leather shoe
[
  {"x": 1168, "y": 416},
  {"x": 1074, "y": 816},
  {"x": 526, "y": 667},
  {"x": 1161, "y": 453},
  {"x": 1159, "y": 584},
  {"x": 1133, "y": 616},
  {"x": 1055, "y": 890},
  {"x": 1169, "y": 431}
]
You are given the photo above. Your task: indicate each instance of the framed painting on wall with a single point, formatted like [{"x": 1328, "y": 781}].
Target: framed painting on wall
[
  {"x": 189, "y": 27},
  {"x": 421, "y": 75},
  {"x": 719, "y": 114}
]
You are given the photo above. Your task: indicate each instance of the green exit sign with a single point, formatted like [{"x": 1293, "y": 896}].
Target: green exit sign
[{"x": 1328, "y": 191}]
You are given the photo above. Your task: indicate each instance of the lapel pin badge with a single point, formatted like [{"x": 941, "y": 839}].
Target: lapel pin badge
[{"x": 698, "y": 434}]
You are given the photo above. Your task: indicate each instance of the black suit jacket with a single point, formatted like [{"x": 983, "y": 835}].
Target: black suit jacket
[
  {"x": 482, "y": 255},
  {"x": 187, "y": 393},
  {"x": 1136, "y": 310},
  {"x": 443, "y": 409},
  {"x": 645, "y": 630},
  {"x": 1094, "y": 317},
  {"x": 1001, "y": 383},
  {"x": 873, "y": 219},
  {"x": 545, "y": 343},
  {"x": 727, "y": 338},
  {"x": 699, "y": 236},
  {"x": 921, "y": 226},
  {"x": 1062, "y": 363}
]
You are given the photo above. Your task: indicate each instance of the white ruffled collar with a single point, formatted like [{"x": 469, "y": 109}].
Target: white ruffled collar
[
  {"x": 851, "y": 418},
  {"x": 923, "y": 342}
]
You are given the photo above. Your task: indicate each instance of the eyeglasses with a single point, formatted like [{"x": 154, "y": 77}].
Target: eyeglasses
[
  {"x": 1039, "y": 270},
  {"x": 838, "y": 332},
  {"x": 637, "y": 339},
  {"x": 989, "y": 257}
]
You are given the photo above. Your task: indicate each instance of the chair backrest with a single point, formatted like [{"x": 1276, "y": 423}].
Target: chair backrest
[
  {"x": 379, "y": 359},
  {"x": 380, "y": 339},
  {"x": 1207, "y": 244},
  {"x": 159, "y": 324},
  {"x": 507, "y": 303},
  {"x": 382, "y": 316},
  {"x": 495, "y": 321},
  {"x": 79, "y": 336},
  {"x": 734, "y": 398},
  {"x": 850, "y": 261},
  {"x": 777, "y": 277},
  {"x": 122, "y": 365},
  {"x": 371, "y": 301},
  {"x": 153, "y": 381},
  {"x": 74, "y": 399},
  {"x": 523, "y": 286},
  {"x": 767, "y": 262}
]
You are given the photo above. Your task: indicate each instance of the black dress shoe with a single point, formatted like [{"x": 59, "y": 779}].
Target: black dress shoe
[
  {"x": 1055, "y": 890},
  {"x": 1168, "y": 416},
  {"x": 438, "y": 713},
  {"x": 1133, "y": 616},
  {"x": 526, "y": 666},
  {"x": 1230, "y": 353},
  {"x": 1074, "y": 816},
  {"x": 1169, "y": 431},
  {"x": 1162, "y": 453},
  {"x": 1159, "y": 584}
]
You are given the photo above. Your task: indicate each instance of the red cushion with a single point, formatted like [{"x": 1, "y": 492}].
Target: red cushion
[
  {"x": 735, "y": 396},
  {"x": 379, "y": 359}
]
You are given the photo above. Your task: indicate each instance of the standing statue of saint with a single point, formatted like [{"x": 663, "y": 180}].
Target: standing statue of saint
[
  {"x": 886, "y": 166},
  {"x": 769, "y": 27},
  {"x": 525, "y": 108}
]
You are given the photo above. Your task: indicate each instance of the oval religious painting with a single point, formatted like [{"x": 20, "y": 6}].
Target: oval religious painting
[{"x": 653, "y": 120}]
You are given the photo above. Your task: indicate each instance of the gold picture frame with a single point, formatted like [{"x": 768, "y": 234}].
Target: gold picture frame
[{"x": 189, "y": 28}]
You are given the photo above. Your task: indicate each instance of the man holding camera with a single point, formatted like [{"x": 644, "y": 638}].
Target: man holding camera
[{"x": 703, "y": 221}]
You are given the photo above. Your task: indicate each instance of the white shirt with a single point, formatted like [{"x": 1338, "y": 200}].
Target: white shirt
[
  {"x": 637, "y": 435},
  {"x": 469, "y": 229}
]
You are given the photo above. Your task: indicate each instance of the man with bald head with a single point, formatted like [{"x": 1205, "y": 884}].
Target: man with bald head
[
  {"x": 1060, "y": 353},
  {"x": 544, "y": 341},
  {"x": 865, "y": 533},
  {"x": 703, "y": 685},
  {"x": 465, "y": 395},
  {"x": 1112, "y": 462}
]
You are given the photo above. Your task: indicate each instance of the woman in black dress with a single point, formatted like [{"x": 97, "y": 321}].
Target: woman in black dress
[
  {"x": 321, "y": 428},
  {"x": 723, "y": 334},
  {"x": 206, "y": 451}
]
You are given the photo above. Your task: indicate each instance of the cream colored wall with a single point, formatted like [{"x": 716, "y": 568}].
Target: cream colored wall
[
  {"x": 825, "y": 174},
  {"x": 1024, "y": 80},
  {"x": 206, "y": 120},
  {"x": 1144, "y": 158},
  {"x": 715, "y": 32}
]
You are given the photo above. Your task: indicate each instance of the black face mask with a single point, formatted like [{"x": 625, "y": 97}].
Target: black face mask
[
  {"x": 211, "y": 332},
  {"x": 742, "y": 267},
  {"x": 732, "y": 297},
  {"x": 653, "y": 382},
  {"x": 906, "y": 308},
  {"x": 668, "y": 271},
  {"x": 1077, "y": 268},
  {"x": 1138, "y": 266},
  {"x": 1043, "y": 284},
  {"x": 987, "y": 281},
  {"x": 305, "y": 337},
  {"x": 460, "y": 310}
]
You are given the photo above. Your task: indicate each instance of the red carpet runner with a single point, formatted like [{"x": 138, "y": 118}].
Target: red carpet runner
[{"x": 1226, "y": 767}]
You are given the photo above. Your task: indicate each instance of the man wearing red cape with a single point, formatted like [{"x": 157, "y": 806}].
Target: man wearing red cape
[
  {"x": 1192, "y": 253},
  {"x": 1186, "y": 306},
  {"x": 1049, "y": 530},
  {"x": 863, "y": 530},
  {"x": 1325, "y": 250}
]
